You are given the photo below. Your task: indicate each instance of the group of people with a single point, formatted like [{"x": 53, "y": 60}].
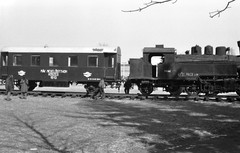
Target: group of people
[
  {"x": 96, "y": 91},
  {"x": 100, "y": 89},
  {"x": 9, "y": 86}
]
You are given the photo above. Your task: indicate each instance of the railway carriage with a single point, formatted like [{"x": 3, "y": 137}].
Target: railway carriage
[
  {"x": 61, "y": 66},
  {"x": 193, "y": 73}
]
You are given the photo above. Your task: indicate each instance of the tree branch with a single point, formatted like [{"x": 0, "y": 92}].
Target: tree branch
[
  {"x": 218, "y": 12},
  {"x": 151, "y": 3}
]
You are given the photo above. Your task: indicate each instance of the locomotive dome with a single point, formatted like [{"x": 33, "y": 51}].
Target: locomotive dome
[{"x": 97, "y": 49}]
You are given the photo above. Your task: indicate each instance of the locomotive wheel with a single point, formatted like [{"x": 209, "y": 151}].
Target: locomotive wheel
[
  {"x": 192, "y": 90},
  {"x": 212, "y": 94},
  {"x": 175, "y": 90},
  {"x": 146, "y": 90}
]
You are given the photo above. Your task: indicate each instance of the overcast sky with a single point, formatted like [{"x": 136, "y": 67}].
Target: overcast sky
[{"x": 92, "y": 22}]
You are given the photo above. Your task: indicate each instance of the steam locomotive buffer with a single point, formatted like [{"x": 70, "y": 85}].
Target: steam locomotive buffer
[{"x": 192, "y": 73}]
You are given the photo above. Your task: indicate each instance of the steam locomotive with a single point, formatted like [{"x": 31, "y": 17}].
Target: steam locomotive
[{"x": 193, "y": 73}]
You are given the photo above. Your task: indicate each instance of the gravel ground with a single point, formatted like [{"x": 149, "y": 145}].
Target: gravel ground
[
  {"x": 39, "y": 124},
  {"x": 74, "y": 125}
]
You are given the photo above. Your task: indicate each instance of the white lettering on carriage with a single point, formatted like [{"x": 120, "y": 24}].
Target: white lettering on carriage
[
  {"x": 94, "y": 79},
  {"x": 53, "y": 73}
]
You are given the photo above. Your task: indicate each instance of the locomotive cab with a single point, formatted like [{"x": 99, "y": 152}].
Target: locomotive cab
[
  {"x": 156, "y": 64},
  {"x": 161, "y": 63}
]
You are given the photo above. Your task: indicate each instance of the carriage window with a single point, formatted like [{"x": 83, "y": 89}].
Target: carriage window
[
  {"x": 17, "y": 60},
  {"x": 4, "y": 60},
  {"x": 35, "y": 60},
  {"x": 155, "y": 60},
  {"x": 92, "y": 61},
  {"x": 73, "y": 61},
  {"x": 111, "y": 62},
  {"x": 53, "y": 61}
]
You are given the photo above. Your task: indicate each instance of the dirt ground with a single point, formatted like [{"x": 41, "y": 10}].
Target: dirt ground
[{"x": 75, "y": 125}]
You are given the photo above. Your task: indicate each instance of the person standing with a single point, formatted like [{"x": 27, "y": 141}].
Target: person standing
[
  {"x": 9, "y": 86},
  {"x": 127, "y": 86},
  {"x": 101, "y": 88},
  {"x": 24, "y": 87}
]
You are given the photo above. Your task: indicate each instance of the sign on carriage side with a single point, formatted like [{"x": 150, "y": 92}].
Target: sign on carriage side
[
  {"x": 21, "y": 73},
  {"x": 88, "y": 75},
  {"x": 53, "y": 73}
]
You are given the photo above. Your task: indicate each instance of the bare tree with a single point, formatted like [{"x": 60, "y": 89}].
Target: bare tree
[
  {"x": 218, "y": 12},
  {"x": 151, "y": 3}
]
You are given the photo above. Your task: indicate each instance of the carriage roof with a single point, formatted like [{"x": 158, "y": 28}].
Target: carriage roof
[{"x": 99, "y": 49}]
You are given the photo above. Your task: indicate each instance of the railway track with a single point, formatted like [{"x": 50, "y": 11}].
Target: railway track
[{"x": 159, "y": 97}]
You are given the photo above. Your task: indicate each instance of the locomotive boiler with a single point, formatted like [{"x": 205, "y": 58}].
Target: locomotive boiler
[{"x": 192, "y": 72}]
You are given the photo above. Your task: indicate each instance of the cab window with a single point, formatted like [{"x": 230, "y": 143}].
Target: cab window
[{"x": 155, "y": 60}]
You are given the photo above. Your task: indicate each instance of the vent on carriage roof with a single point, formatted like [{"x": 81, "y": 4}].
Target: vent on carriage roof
[{"x": 159, "y": 46}]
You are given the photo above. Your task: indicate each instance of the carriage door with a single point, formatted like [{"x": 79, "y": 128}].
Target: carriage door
[
  {"x": 4, "y": 64},
  {"x": 110, "y": 66}
]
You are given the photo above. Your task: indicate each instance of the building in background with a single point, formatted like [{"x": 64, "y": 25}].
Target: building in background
[{"x": 125, "y": 70}]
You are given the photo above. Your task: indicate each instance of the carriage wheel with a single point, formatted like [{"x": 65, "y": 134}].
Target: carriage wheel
[{"x": 146, "y": 89}]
